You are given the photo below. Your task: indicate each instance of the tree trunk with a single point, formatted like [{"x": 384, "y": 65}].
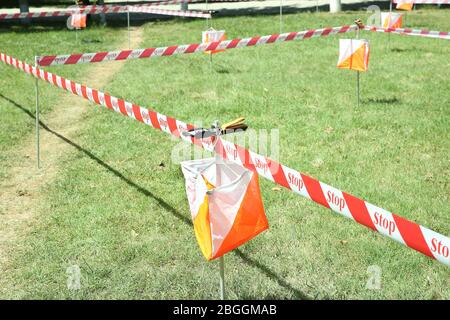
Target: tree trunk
[
  {"x": 24, "y": 6},
  {"x": 102, "y": 15},
  {"x": 184, "y": 6},
  {"x": 335, "y": 6}
]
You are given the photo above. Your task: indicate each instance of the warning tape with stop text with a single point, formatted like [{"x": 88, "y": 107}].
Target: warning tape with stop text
[{"x": 408, "y": 233}]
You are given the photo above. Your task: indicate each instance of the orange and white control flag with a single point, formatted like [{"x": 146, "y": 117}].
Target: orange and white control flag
[
  {"x": 213, "y": 36},
  {"x": 407, "y": 6},
  {"x": 353, "y": 54},
  {"x": 225, "y": 203},
  {"x": 391, "y": 20},
  {"x": 78, "y": 21}
]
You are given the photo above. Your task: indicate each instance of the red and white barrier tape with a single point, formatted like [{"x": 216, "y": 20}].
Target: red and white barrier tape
[
  {"x": 148, "y": 4},
  {"x": 105, "y": 10},
  {"x": 423, "y": 1},
  {"x": 69, "y": 12},
  {"x": 212, "y": 1},
  {"x": 165, "y": 3},
  {"x": 415, "y": 236},
  {"x": 219, "y": 1},
  {"x": 179, "y": 13},
  {"x": 158, "y": 3},
  {"x": 188, "y": 48},
  {"x": 13, "y": 16},
  {"x": 411, "y": 32}
]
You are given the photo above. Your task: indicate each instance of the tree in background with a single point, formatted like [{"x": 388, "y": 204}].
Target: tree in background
[{"x": 24, "y": 6}]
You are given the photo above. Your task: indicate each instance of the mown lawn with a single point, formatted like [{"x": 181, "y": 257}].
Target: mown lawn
[
  {"x": 123, "y": 218},
  {"x": 17, "y": 88}
]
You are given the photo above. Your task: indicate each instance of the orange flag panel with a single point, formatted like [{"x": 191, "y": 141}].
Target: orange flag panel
[
  {"x": 213, "y": 36},
  {"x": 404, "y": 6},
  {"x": 353, "y": 54},
  {"x": 78, "y": 21},
  {"x": 225, "y": 203}
]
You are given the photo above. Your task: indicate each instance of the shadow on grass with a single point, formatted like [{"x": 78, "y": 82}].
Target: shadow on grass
[
  {"x": 244, "y": 257},
  {"x": 401, "y": 50},
  {"x": 383, "y": 100},
  {"x": 222, "y": 70},
  {"x": 269, "y": 273}
]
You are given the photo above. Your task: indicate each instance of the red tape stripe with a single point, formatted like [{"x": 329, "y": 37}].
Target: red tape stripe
[
  {"x": 412, "y": 235},
  {"x": 358, "y": 209},
  {"x": 315, "y": 190}
]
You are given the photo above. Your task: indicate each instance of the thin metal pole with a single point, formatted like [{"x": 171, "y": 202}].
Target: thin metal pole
[
  {"x": 357, "y": 73},
  {"x": 390, "y": 17},
  {"x": 317, "y": 6},
  {"x": 357, "y": 85},
  {"x": 281, "y": 16},
  {"x": 218, "y": 162},
  {"x": 222, "y": 278},
  {"x": 38, "y": 150},
  {"x": 208, "y": 23},
  {"x": 128, "y": 25}
]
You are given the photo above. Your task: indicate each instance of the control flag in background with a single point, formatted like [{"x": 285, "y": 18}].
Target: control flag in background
[
  {"x": 407, "y": 6},
  {"x": 212, "y": 35},
  {"x": 391, "y": 20}
]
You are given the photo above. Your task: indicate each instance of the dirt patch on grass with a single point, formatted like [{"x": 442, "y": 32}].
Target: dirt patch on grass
[{"x": 20, "y": 192}]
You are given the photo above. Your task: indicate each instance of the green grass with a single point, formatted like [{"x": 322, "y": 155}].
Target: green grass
[
  {"x": 124, "y": 219},
  {"x": 17, "y": 87}
]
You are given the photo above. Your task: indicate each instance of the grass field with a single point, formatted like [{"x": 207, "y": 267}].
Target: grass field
[
  {"x": 124, "y": 219},
  {"x": 17, "y": 87}
]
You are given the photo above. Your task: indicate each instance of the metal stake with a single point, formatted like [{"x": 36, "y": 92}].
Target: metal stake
[
  {"x": 38, "y": 151},
  {"x": 208, "y": 23},
  {"x": 210, "y": 61},
  {"x": 281, "y": 16},
  {"x": 219, "y": 160},
  {"x": 222, "y": 278},
  {"x": 357, "y": 85},
  {"x": 357, "y": 72},
  {"x": 390, "y": 16}
]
